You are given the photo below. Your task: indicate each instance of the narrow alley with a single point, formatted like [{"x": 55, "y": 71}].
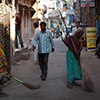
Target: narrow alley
[{"x": 54, "y": 87}]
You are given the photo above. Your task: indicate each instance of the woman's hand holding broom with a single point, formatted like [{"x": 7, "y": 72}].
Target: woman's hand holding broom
[
  {"x": 10, "y": 75},
  {"x": 8, "y": 69}
]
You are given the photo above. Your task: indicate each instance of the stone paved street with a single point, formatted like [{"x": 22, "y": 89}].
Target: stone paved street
[{"x": 54, "y": 88}]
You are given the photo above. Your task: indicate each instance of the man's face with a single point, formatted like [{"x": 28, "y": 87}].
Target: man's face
[
  {"x": 16, "y": 15},
  {"x": 43, "y": 28},
  {"x": 77, "y": 24}
]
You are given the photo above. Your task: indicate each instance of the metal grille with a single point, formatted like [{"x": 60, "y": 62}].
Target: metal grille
[{"x": 1, "y": 23}]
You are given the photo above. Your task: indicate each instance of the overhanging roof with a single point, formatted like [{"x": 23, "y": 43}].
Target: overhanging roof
[
  {"x": 30, "y": 8},
  {"x": 33, "y": 2}
]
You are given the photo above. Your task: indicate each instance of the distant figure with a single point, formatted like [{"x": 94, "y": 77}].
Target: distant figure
[
  {"x": 36, "y": 26},
  {"x": 76, "y": 28},
  {"x": 54, "y": 32},
  {"x": 48, "y": 29},
  {"x": 18, "y": 31},
  {"x": 45, "y": 45},
  {"x": 57, "y": 32}
]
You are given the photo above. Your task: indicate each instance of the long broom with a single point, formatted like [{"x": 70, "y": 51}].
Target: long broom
[
  {"x": 86, "y": 79},
  {"x": 27, "y": 84}
]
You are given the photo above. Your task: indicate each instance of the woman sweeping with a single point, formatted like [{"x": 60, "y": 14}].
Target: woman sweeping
[{"x": 72, "y": 58}]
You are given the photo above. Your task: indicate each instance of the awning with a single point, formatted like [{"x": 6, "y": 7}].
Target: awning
[
  {"x": 30, "y": 8},
  {"x": 33, "y": 2}
]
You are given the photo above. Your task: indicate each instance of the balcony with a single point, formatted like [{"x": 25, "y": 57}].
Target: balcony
[{"x": 27, "y": 2}]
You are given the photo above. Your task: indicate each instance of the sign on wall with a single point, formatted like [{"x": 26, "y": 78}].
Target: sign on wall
[
  {"x": 77, "y": 12},
  {"x": 85, "y": 3},
  {"x": 90, "y": 38},
  {"x": 71, "y": 18}
]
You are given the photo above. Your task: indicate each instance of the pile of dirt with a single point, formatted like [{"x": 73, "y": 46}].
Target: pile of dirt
[{"x": 23, "y": 54}]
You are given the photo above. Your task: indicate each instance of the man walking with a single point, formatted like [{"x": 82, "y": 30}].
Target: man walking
[
  {"x": 36, "y": 51},
  {"x": 76, "y": 28},
  {"x": 45, "y": 46},
  {"x": 18, "y": 32}
]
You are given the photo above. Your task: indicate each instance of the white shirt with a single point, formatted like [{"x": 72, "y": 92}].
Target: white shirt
[
  {"x": 36, "y": 30},
  {"x": 74, "y": 30}
]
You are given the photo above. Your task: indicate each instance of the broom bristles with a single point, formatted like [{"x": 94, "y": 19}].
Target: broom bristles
[
  {"x": 86, "y": 79},
  {"x": 31, "y": 86},
  {"x": 27, "y": 84}
]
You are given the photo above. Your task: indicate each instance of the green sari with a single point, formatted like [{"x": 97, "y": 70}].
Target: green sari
[{"x": 73, "y": 67}]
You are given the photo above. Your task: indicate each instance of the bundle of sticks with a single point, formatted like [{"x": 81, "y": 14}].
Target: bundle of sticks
[{"x": 27, "y": 84}]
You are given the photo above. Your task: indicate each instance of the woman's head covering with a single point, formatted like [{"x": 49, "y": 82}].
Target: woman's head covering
[
  {"x": 79, "y": 31},
  {"x": 75, "y": 39}
]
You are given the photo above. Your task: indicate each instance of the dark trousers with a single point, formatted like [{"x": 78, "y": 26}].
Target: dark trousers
[
  {"x": 43, "y": 62},
  {"x": 18, "y": 33}
]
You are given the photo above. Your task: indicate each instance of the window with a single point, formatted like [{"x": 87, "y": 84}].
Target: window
[{"x": 0, "y": 1}]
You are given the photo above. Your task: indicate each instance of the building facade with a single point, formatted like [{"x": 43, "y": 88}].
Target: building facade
[
  {"x": 26, "y": 11},
  {"x": 90, "y": 13},
  {"x": 53, "y": 14},
  {"x": 40, "y": 9},
  {"x": 8, "y": 9}
]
